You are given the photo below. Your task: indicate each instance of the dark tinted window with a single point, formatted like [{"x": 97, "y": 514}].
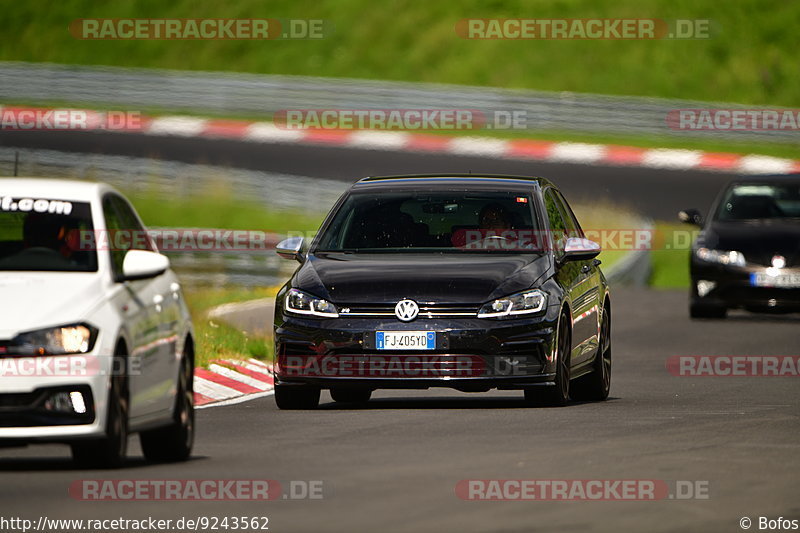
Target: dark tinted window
[
  {"x": 125, "y": 232},
  {"x": 570, "y": 220},
  {"x": 760, "y": 201},
  {"x": 46, "y": 235},
  {"x": 432, "y": 221},
  {"x": 555, "y": 217},
  {"x": 114, "y": 226}
]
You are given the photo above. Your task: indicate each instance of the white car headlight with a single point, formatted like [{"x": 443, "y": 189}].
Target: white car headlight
[
  {"x": 723, "y": 257},
  {"x": 523, "y": 303},
  {"x": 300, "y": 303},
  {"x": 62, "y": 340}
]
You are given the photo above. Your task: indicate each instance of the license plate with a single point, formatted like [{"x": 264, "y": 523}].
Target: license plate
[
  {"x": 762, "y": 279},
  {"x": 405, "y": 340}
]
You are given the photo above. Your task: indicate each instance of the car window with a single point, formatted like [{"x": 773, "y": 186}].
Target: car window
[
  {"x": 759, "y": 201},
  {"x": 555, "y": 217},
  {"x": 432, "y": 221},
  {"x": 114, "y": 227},
  {"x": 131, "y": 222},
  {"x": 570, "y": 220},
  {"x": 125, "y": 232},
  {"x": 38, "y": 234}
]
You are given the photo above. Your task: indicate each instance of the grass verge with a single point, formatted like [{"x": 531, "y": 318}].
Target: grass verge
[
  {"x": 670, "y": 256},
  {"x": 749, "y": 57},
  {"x": 215, "y": 339},
  {"x": 216, "y": 206}
]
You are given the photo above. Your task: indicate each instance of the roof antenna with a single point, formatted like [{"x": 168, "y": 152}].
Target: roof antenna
[{"x": 16, "y": 162}]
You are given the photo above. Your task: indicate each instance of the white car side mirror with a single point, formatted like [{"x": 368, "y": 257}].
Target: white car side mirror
[{"x": 142, "y": 264}]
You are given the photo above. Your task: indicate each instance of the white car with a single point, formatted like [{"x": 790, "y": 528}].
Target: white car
[{"x": 96, "y": 341}]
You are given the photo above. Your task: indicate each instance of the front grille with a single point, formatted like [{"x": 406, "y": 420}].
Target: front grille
[
  {"x": 425, "y": 311},
  {"x": 16, "y": 400}
]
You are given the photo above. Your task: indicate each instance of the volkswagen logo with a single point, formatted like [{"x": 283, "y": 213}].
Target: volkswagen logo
[{"x": 406, "y": 310}]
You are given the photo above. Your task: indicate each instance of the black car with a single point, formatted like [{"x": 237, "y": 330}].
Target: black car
[
  {"x": 748, "y": 252},
  {"x": 461, "y": 281}
]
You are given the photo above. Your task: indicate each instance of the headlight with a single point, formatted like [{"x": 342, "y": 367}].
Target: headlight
[
  {"x": 523, "y": 303},
  {"x": 721, "y": 256},
  {"x": 301, "y": 303},
  {"x": 63, "y": 340}
]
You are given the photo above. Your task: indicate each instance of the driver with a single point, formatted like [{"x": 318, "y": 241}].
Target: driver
[
  {"x": 494, "y": 217},
  {"x": 44, "y": 231}
]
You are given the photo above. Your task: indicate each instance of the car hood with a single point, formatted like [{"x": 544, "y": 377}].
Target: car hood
[
  {"x": 759, "y": 241},
  {"x": 33, "y": 300},
  {"x": 428, "y": 279}
]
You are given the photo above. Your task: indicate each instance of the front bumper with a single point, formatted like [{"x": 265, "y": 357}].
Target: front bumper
[
  {"x": 470, "y": 354},
  {"x": 733, "y": 287},
  {"x": 27, "y": 388}
]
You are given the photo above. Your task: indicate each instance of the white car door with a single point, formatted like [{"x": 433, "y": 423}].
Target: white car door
[{"x": 152, "y": 365}]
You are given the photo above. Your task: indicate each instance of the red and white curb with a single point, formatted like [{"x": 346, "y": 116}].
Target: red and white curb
[
  {"x": 232, "y": 381},
  {"x": 486, "y": 147}
]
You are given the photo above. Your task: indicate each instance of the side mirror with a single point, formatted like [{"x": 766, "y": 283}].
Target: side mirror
[
  {"x": 691, "y": 216},
  {"x": 143, "y": 264},
  {"x": 580, "y": 249},
  {"x": 291, "y": 248}
]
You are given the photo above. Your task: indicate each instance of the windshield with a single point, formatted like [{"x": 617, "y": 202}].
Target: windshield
[
  {"x": 760, "y": 201},
  {"x": 44, "y": 235},
  {"x": 432, "y": 222}
]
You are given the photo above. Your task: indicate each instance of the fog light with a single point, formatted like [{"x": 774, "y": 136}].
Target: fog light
[
  {"x": 704, "y": 287},
  {"x": 77, "y": 402},
  {"x": 66, "y": 402}
]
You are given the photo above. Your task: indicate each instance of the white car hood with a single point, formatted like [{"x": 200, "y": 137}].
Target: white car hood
[{"x": 33, "y": 300}]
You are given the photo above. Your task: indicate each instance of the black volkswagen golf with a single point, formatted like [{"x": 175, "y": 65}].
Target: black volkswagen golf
[
  {"x": 461, "y": 281},
  {"x": 748, "y": 252}
]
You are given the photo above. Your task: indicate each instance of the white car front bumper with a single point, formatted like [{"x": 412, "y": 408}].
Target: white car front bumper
[{"x": 27, "y": 388}]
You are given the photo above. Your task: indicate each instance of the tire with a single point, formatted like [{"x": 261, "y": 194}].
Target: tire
[
  {"x": 350, "y": 395},
  {"x": 174, "y": 442},
  {"x": 296, "y": 397},
  {"x": 558, "y": 395},
  {"x": 595, "y": 386},
  {"x": 697, "y": 310},
  {"x": 109, "y": 451}
]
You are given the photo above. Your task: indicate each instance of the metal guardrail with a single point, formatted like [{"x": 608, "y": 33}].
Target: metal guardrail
[
  {"x": 221, "y": 93},
  {"x": 172, "y": 179}
]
